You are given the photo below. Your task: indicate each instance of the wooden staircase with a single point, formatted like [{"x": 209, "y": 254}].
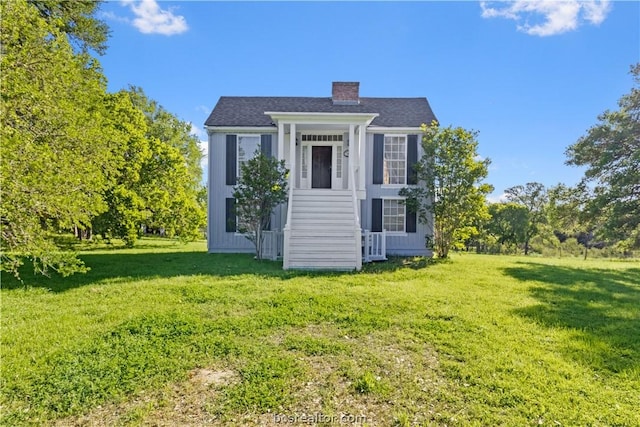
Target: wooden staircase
[{"x": 323, "y": 233}]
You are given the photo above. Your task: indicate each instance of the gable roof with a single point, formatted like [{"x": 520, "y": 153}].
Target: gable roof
[{"x": 250, "y": 110}]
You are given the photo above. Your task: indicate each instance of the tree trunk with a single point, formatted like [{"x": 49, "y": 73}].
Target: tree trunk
[
  {"x": 442, "y": 247},
  {"x": 259, "y": 243},
  {"x": 526, "y": 247}
]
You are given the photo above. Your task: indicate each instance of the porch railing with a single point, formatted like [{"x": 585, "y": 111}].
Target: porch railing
[
  {"x": 273, "y": 245},
  {"x": 374, "y": 246}
]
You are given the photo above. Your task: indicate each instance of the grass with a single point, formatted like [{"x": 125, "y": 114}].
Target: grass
[{"x": 165, "y": 334}]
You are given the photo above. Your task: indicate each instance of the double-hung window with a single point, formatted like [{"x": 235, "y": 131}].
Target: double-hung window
[
  {"x": 393, "y": 215},
  {"x": 247, "y": 146},
  {"x": 395, "y": 160}
]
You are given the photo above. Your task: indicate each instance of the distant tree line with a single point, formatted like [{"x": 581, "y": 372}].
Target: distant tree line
[
  {"x": 76, "y": 158},
  {"x": 602, "y": 211}
]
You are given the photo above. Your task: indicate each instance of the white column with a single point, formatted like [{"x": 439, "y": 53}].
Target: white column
[
  {"x": 355, "y": 153},
  {"x": 280, "y": 140},
  {"x": 292, "y": 156},
  {"x": 362, "y": 167},
  {"x": 357, "y": 233},
  {"x": 292, "y": 181},
  {"x": 352, "y": 154}
]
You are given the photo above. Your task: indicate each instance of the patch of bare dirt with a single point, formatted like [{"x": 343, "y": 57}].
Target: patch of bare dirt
[
  {"x": 181, "y": 404},
  {"x": 324, "y": 395},
  {"x": 208, "y": 377}
]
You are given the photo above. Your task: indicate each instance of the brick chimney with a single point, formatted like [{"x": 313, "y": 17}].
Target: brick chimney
[{"x": 346, "y": 93}]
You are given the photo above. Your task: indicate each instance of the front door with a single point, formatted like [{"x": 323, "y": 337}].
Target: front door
[{"x": 321, "y": 166}]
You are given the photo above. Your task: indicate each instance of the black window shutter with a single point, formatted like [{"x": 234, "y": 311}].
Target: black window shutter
[
  {"x": 411, "y": 223},
  {"x": 268, "y": 226},
  {"x": 412, "y": 159},
  {"x": 378, "y": 161},
  {"x": 376, "y": 215},
  {"x": 265, "y": 145},
  {"x": 232, "y": 153},
  {"x": 230, "y": 215}
]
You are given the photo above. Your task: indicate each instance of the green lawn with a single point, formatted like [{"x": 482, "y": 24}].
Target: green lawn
[{"x": 165, "y": 334}]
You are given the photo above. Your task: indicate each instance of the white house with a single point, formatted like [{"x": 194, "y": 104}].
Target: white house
[{"x": 348, "y": 157}]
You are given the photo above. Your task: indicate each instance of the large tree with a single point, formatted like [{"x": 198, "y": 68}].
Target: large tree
[
  {"x": 126, "y": 132},
  {"x": 171, "y": 181},
  {"x": 55, "y": 163},
  {"x": 533, "y": 197},
  {"x": 158, "y": 186},
  {"x": 450, "y": 175},
  {"x": 611, "y": 153}
]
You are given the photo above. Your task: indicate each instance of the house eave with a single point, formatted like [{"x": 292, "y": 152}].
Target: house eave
[
  {"x": 228, "y": 129},
  {"x": 399, "y": 129},
  {"x": 321, "y": 118}
]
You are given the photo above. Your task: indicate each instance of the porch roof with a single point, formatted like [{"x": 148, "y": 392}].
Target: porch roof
[{"x": 250, "y": 111}]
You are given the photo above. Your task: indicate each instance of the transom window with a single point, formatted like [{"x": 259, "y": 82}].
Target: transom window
[
  {"x": 393, "y": 215},
  {"x": 321, "y": 138},
  {"x": 247, "y": 147},
  {"x": 395, "y": 160}
]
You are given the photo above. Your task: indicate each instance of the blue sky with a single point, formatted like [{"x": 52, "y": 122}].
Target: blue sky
[{"x": 530, "y": 76}]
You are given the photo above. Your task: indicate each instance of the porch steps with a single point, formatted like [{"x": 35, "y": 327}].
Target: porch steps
[{"x": 323, "y": 230}]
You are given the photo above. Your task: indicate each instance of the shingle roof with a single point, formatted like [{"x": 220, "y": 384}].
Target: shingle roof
[{"x": 249, "y": 111}]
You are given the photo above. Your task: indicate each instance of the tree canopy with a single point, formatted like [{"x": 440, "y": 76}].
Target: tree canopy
[
  {"x": 77, "y": 20},
  {"x": 611, "y": 153},
  {"x": 159, "y": 184},
  {"x": 508, "y": 223}
]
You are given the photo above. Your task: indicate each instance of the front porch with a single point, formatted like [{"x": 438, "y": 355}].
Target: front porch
[{"x": 325, "y": 154}]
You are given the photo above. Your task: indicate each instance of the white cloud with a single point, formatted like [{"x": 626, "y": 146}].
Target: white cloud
[
  {"x": 113, "y": 17},
  {"x": 151, "y": 19},
  {"x": 548, "y": 17},
  {"x": 596, "y": 12},
  {"x": 203, "y": 109},
  {"x": 201, "y": 134},
  {"x": 500, "y": 198},
  {"x": 197, "y": 131}
]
